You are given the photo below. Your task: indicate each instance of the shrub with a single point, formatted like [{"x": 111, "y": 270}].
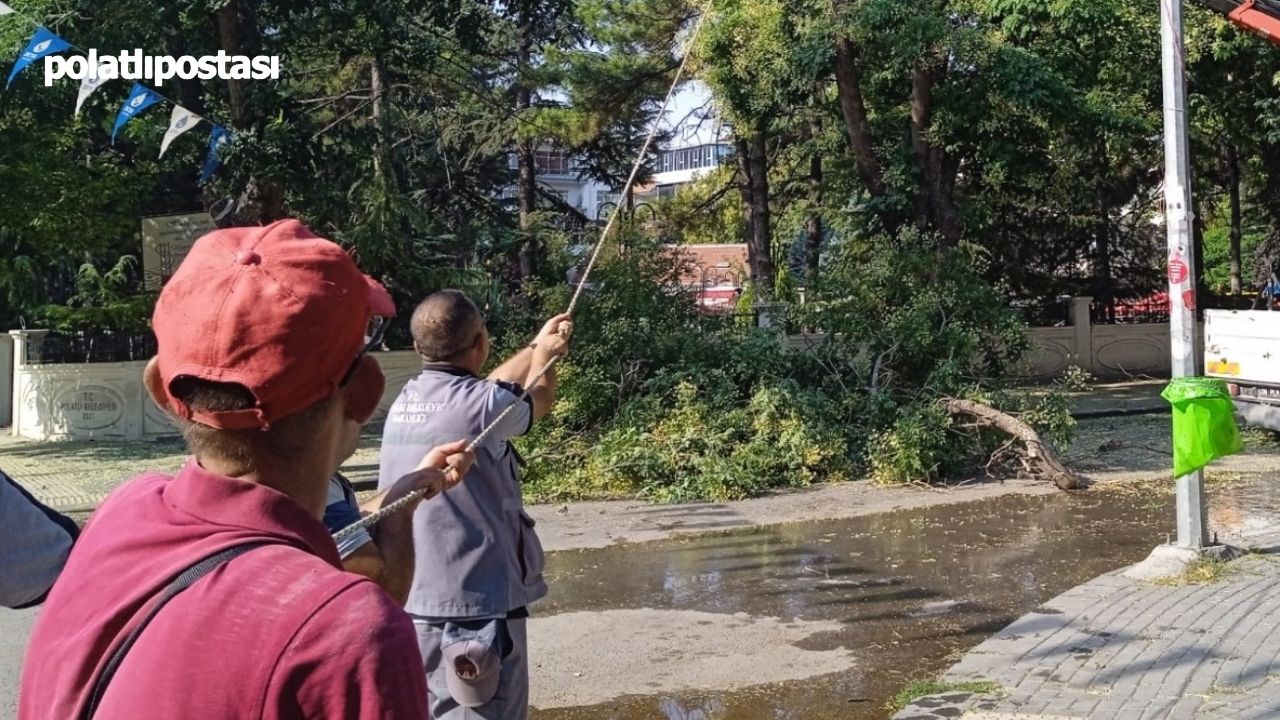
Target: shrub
[
  {"x": 915, "y": 448},
  {"x": 697, "y": 441},
  {"x": 662, "y": 402}
]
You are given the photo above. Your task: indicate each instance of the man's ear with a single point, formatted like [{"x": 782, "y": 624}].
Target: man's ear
[
  {"x": 155, "y": 386},
  {"x": 363, "y": 393}
]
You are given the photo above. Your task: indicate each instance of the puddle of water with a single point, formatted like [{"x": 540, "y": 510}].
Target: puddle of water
[{"x": 910, "y": 591}]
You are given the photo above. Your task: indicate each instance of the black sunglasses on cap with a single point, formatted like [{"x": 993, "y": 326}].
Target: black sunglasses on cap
[{"x": 373, "y": 336}]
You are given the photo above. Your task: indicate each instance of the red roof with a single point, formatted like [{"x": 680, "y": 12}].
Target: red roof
[{"x": 712, "y": 265}]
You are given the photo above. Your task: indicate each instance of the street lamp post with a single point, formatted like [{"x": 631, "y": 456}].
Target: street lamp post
[{"x": 1184, "y": 338}]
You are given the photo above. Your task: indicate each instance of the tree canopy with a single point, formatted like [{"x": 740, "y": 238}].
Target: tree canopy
[{"x": 1029, "y": 130}]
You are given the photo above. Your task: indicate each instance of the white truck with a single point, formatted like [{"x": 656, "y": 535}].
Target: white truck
[{"x": 1242, "y": 347}]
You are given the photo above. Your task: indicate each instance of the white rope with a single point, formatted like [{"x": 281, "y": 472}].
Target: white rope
[{"x": 373, "y": 518}]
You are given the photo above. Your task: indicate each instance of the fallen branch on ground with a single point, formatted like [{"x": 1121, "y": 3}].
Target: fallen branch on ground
[{"x": 1040, "y": 458}]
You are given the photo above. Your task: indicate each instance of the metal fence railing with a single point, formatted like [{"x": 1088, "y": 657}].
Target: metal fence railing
[
  {"x": 1044, "y": 313},
  {"x": 1150, "y": 309},
  {"x": 1155, "y": 308},
  {"x": 102, "y": 347}
]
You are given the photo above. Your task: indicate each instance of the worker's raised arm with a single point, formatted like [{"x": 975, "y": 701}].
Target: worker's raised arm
[{"x": 552, "y": 341}]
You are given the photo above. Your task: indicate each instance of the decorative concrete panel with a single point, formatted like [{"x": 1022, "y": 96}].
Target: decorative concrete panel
[
  {"x": 107, "y": 401},
  {"x": 102, "y": 401},
  {"x": 1128, "y": 350},
  {"x": 6, "y": 380},
  {"x": 156, "y": 423},
  {"x": 1052, "y": 351},
  {"x": 399, "y": 367}
]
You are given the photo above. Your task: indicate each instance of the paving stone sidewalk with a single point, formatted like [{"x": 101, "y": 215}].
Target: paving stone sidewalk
[
  {"x": 1123, "y": 649},
  {"x": 75, "y": 476}
]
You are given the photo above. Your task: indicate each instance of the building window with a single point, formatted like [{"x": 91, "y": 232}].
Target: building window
[
  {"x": 551, "y": 162},
  {"x": 701, "y": 156}
]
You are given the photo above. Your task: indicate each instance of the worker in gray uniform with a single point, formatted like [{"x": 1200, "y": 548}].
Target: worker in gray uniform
[{"x": 478, "y": 562}]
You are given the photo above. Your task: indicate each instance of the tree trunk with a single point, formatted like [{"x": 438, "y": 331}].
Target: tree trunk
[
  {"x": 527, "y": 170},
  {"x": 1197, "y": 242},
  {"x": 853, "y": 108},
  {"x": 1103, "y": 284},
  {"x": 813, "y": 225},
  {"x": 1103, "y": 290},
  {"x": 1267, "y": 256},
  {"x": 1039, "y": 457},
  {"x": 237, "y": 31},
  {"x": 191, "y": 97},
  {"x": 261, "y": 201},
  {"x": 935, "y": 202},
  {"x": 742, "y": 155},
  {"x": 760, "y": 248},
  {"x": 382, "y": 165},
  {"x": 190, "y": 91},
  {"x": 1233, "y": 189}
]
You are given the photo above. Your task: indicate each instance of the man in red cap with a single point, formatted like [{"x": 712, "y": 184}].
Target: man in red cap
[{"x": 218, "y": 593}]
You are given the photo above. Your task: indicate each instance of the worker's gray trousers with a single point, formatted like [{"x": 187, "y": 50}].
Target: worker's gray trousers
[{"x": 510, "y": 702}]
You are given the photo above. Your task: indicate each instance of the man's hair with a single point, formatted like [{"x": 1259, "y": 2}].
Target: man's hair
[
  {"x": 288, "y": 437},
  {"x": 445, "y": 325}
]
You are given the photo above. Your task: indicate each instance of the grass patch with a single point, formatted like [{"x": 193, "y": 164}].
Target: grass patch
[
  {"x": 1217, "y": 690},
  {"x": 1226, "y": 478},
  {"x": 1256, "y": 437},
  {"x": 1203, "y": 571},
  {"x": 917, "y": 689}
]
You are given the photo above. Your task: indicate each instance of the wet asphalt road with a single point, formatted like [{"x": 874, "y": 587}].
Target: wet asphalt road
[{"x": 909, "y": 590}]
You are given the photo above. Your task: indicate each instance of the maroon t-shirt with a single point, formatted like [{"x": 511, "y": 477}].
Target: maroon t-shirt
[{"x": 279, "y": 632}]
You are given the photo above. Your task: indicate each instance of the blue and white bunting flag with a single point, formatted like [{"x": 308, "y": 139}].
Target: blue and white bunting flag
[
  {"x": 180, "y": 121},
  {"x": 5, "y": 9},
  {"x": 140, "y": 98},
  {"x": 217, "y": 138},
  {"x": 91, "y": 82},
  {"x": 44, "y": 42}
]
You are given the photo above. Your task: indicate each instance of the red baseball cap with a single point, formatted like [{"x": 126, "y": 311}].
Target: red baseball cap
[{"x": 276, "y": 309}]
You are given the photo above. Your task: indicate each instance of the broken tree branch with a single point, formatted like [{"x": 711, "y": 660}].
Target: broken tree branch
[{"x": 1039, "y": 456}]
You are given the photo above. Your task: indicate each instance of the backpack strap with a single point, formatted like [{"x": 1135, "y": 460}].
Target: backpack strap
[{"x": 184, "y": 580}]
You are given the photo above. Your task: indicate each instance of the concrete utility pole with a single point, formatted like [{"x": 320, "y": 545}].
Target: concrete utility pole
[{"x": 1184, "y": 338}]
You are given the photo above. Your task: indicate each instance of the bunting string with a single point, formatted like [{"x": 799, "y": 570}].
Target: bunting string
[{"x": 44, "y": 42}]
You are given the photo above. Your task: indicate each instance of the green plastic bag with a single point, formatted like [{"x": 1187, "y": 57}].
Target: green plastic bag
[{"x": 1204, "y": 423}]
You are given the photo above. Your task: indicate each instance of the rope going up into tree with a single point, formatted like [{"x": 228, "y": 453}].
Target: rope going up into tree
[{"x": 373, "y": 518}]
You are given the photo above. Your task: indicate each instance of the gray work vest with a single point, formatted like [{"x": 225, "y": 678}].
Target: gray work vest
[{"x": 477, "y": 554}]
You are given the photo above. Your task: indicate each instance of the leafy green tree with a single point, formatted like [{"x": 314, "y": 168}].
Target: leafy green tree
[{"x": 760, "y": 59}]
